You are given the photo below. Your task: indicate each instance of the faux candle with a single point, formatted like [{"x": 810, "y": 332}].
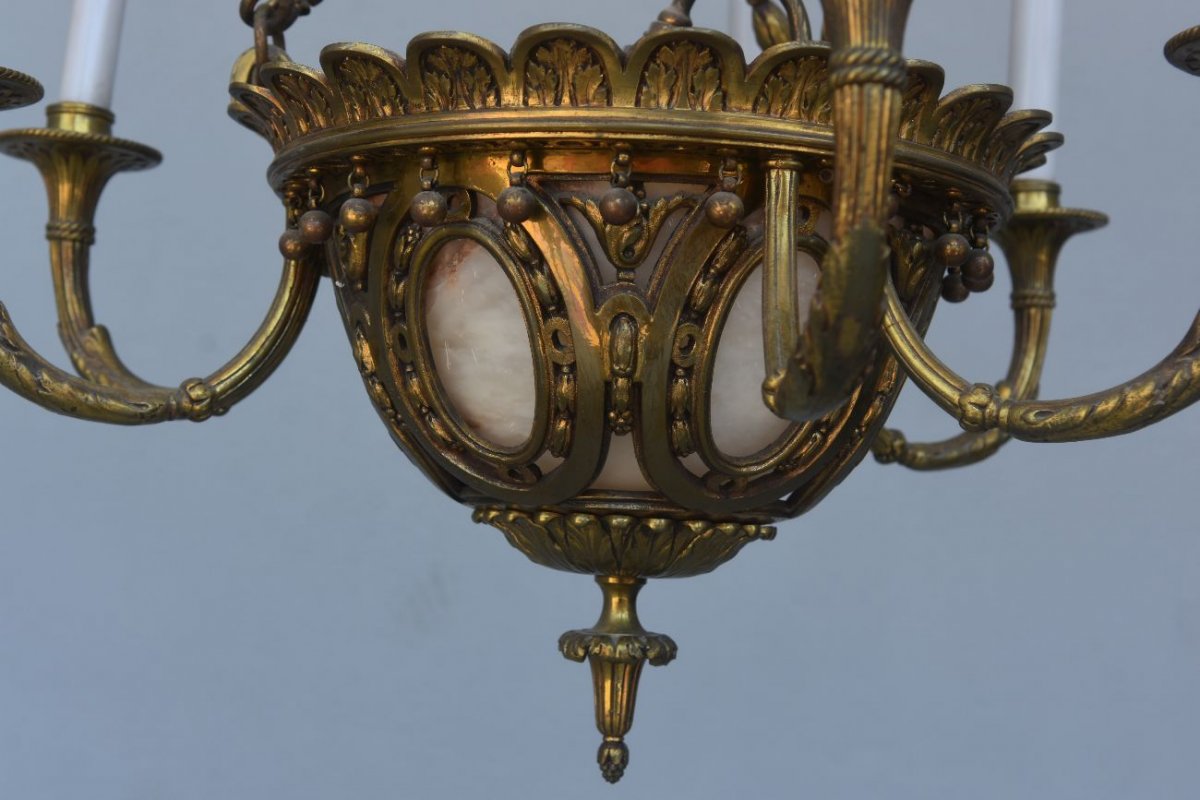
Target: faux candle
[
  {"x": 92, "y": 45},
  {"x": 1036, "y": 51}
]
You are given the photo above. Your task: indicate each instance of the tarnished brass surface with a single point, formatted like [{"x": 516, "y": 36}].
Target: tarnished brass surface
[
  {"x": 1166, "y": 389},
  {"x": 623, "y": 545},
  {"x": 1183, "y": 50},
  {"x": 811, "y": 372},
  {"x": 632, "y": 356}
]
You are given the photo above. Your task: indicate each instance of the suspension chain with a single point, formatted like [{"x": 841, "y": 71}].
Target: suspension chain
[{"x": 270, "y": 19}]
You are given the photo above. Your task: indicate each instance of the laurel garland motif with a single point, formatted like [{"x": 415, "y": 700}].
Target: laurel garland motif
[{"x": 558, "y": 344}]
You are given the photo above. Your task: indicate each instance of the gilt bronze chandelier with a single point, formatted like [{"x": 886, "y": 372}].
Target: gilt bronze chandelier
[{"x": 622, "y": 205}]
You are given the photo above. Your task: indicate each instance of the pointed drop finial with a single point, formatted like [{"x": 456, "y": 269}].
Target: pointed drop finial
[
  {"x": 616, "y": 648},
  {"x": 613, "y": 759}
]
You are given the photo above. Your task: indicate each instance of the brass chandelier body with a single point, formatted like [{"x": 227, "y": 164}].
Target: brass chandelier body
[{"x": 627, "y": 194}]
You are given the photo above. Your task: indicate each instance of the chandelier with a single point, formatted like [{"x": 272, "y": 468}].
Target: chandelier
[{"x": 602, "y": 222}]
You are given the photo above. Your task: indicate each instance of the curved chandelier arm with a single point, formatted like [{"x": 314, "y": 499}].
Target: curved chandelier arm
[
  {"x": 77, "y": 157},
  {"x": 1165, "y": 389},
  {"x": 1032, "y": 241},
  {"x": 813, "y": 363},
  {"x": 1169, "y": 387},
  {"x": 1031, "y": 336},
  {"x": 132, "y": 402},
  {"x": 774, "y": 25}
]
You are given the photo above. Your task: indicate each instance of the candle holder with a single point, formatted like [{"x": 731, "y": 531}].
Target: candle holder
[
  {"x": 623, "y": 199},
  {"x": 77, "y": 156}
]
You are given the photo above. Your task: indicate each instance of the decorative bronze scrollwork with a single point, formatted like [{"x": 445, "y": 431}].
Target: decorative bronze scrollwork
[
  {"x": 993, "y": 413},
  {"x": 628, "y": 197},
  {"x": 1032, "y": 240},
  {"x": 77, "y": 157}
]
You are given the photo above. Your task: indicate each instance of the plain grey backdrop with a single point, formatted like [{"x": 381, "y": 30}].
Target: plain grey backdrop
[{"x": 275, "y": 604}]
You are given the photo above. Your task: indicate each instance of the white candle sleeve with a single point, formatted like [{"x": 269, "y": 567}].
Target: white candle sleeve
[
  {"x": 1036, "y": 53},
  {"x": 92, "y": 45}
]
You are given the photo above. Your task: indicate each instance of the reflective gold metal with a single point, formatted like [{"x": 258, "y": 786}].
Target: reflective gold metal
[
  {"x": 642, "y": 187},
  {"x": 616, "y": 648},
  {"x": 1032, "y": 240},
  {"x": 995, "y": 413},
  {"x": 77, "y": 156}
]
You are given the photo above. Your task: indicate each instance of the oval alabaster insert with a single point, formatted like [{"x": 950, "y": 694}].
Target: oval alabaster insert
[{"x": 481, "y": 350}]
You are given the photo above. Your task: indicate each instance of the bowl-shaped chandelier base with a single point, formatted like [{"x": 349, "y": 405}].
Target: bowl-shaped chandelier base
[{"x": 595, "y": 216}]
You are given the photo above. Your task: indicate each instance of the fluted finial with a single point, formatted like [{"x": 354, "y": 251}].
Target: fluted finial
[{"x": 617, "y": 648}]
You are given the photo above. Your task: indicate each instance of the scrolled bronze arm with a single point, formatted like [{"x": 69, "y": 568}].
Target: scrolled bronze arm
[
  {"x": 813, "y": 364},
  {"x": 77, "y": 156},
  {"x": 1032, "y": 241},
  {"x": 133, "y": 402},
  {"x": 1167, "y": 388}
]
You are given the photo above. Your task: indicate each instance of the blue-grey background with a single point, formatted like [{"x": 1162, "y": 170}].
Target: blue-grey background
[{"x": 275, "y": 605}]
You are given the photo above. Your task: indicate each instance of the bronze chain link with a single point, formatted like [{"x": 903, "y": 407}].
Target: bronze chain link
[{"x": 270, "y": 19}]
